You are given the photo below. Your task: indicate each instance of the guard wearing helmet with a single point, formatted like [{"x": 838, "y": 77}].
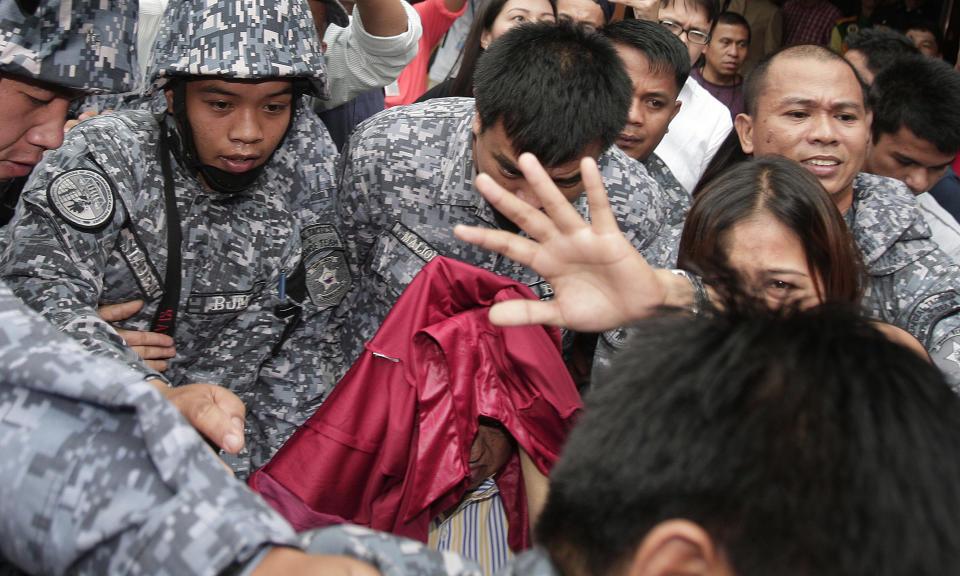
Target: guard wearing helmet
[
  {"x": 48, "y": 57},
  {"x": 216, "y": 213}
]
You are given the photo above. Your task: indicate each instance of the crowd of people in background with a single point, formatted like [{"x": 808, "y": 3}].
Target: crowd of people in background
[{"x": 479, "y": 287}]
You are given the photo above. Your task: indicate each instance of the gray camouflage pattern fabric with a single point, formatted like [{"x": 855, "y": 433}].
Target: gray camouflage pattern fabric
[
  {"x": 238, "y": 39},
  {"x": 678, "y": 202},
  {"x": 234, "y": 250},
  {"x": 391, "y": 555},
  {"x": 396, "y": 219},
  {"x": 82, "y": 44},
  {"x": 911, "y": 282},
  {"x": 533, "y": 562},
  {"x": 101, "y": 475}
]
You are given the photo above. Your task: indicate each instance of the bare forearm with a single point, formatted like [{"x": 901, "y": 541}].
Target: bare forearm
[{"x": 382, "y": 18}]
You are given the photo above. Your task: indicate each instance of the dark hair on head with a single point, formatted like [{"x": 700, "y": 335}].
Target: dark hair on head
[
  {"x": 664, "y": 51},
  {"x": 802, "y": 442},
  {"x": 756, "y": 80},
  {"x": 788, "y": 192},
  {"x": 711, "y": 7},
  {"x": 556, "y": 88},
  {"x": 462, "y": 84},
  {"x": 924, "y": 25},
  {"x": 735, "y": 19},
  {"x": 880, "y": 46},
  {"x": 921, "y": 94}
]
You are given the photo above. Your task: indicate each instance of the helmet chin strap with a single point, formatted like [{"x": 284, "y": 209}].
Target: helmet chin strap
[{"x": 217, "y": 179}]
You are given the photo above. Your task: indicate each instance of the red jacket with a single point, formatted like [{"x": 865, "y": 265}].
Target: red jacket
[{"x": 390, "y": 447}]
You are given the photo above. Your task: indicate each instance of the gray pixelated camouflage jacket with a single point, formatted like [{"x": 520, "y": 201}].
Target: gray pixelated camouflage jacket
[
  {"x": 911, "y": 283},
  {"x": 407, "y": 179},
  {"x": 91, "y": 227},
  {"x": 100, "y": 475},
  {"x": 234, "y": 249}
]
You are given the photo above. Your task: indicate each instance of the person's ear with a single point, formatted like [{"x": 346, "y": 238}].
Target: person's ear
[
  {"x": 743, "y": 124},
  {"x": 168, "y": 92},
  {"x": 485, "y": 39},
  {"x": 678, "y": 548},
  {"x": 477, "y": 122},
  {"x": 676, "y": 110}
]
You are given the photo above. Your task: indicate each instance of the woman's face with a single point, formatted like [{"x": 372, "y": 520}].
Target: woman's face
[
  {"x": 515, "y": 13},
  {"x": 771, "y": 262}
]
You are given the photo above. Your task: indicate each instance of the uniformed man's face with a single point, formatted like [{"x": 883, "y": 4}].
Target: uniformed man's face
[
  {"x": 237, "y": 124},
  {"x": 653, "y": 106},
  {"x": 811, "y": 111},
  {"x": 31, "y": 121},
  {"x": 494, "y": 155},
  {"x": 904, "y": 156}
]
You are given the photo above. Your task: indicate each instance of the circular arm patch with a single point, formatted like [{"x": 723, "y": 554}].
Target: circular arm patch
[{"x": 82, "y": 197}]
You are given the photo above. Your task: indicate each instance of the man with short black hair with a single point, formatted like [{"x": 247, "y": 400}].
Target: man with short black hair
[
  {"x": 871, "y": 49},
  {"x": 916, "y": 135},
  {"x": 925, "y": 36},
  {"x": 716, "y": 447},
  {"x": 703, "y": 122},
  {"x": 725, "y": 53},
  {"x": 658, "y": 66},
  {"x": 408, "y": 174},
  {"x": 807, "y": 103}
]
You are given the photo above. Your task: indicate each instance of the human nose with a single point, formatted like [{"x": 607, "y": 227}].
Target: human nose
[
  {"x": 635, "y": 113},
  {"x": 921, "y": 179},
  {"x": 822, "y": 129},
  {"x": 47, "y": 132},
  {"x": 246, "y": 127}
]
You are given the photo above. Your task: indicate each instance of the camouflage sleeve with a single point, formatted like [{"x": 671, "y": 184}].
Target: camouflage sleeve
[
  {"x": 533, "y": 562},
  {"x": 360, "y": 196},
  {"x": 100, "y": 475},
  {"x": 57, "y": 267},
  {"x": 927, "y": 292},
  {"x": 391, "y": 555}
]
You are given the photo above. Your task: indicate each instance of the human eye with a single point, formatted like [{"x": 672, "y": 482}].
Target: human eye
[
  {"x": 219, "y": 105},
  {"x": 779, "y": 289},
  {"x": 518, "y": 18},
  {"x": 798, "y": 114},
  {"x": 698, "y": 37},
  {"x": 656, "y": 104},
  {"x": 510, "y": 172},
  {"x": 276, "y": 107},
  {"x": 847, "y": 117}
]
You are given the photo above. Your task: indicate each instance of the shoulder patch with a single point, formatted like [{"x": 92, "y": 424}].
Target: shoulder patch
[{"x": 82, "y": 197}]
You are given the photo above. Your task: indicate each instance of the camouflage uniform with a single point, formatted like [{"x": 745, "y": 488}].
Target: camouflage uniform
[
  {"x": 911, "y": 283},
  {"x": 678, "y": 200},
  {"x": 87, "y": 48},
  {"x": 407, "y": 179},
  {"x": 100, "y": 475},
  {"x": 235, "y": 247}
]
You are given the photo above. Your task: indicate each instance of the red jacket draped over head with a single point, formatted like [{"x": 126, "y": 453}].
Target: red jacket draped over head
[{"x": 390, "y": 447}]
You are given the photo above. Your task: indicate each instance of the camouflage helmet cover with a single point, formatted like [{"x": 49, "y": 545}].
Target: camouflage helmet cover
[
  {"x": 87, "y": 45},
  {"x": 239, "y": 39}
]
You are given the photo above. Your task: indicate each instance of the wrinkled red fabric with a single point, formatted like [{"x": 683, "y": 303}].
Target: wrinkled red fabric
[{"x": 390, "y": 447}]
